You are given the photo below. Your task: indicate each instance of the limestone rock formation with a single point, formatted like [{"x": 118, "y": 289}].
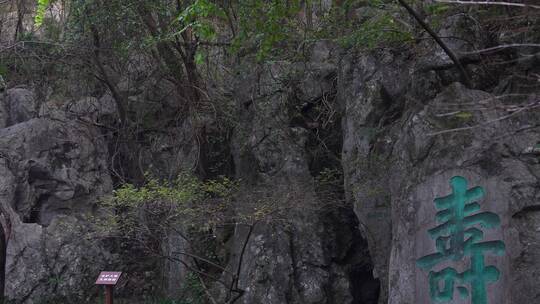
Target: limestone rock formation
[
  {"x": 316, "y": 254},
  {"x": 347, "y": 151},
  {"x": 51, "y": 174},
  {"x": 430, "y": 134}
]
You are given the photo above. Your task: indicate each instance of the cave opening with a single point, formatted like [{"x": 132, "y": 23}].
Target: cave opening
[
  {"x": 348, "y": 246},
  {"x": 365, "y": 289},
  {"x": 350, "y": 253}
]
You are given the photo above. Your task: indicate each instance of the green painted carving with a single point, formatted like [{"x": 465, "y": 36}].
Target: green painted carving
[{"x": 458, "y": 237}]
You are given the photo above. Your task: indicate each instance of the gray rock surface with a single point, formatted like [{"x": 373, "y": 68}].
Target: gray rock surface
[
  {"x": 371, "y": 90},
  {"x": 405, "y": 137},
  {"x": 4, "y": 115},
  {"x": 315, "y": 254},
  {"x": 52, "y": 173},
  {"x": 488, "y": 154},
  {"x": 400, "y": 127},
  {"x": 20, "y": 105}
]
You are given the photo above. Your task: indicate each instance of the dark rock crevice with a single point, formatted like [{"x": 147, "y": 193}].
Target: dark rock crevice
[
  {"x": 364, "y": 288},
  {"x": 348, "y": 250}
]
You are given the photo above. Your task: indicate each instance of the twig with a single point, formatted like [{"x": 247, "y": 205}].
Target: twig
[
  {"x": 192, "y": 269},
  {"x": 202, "y": 259},
  {"x": 489, "y": 3},
  {"x": 206, "y": 291},
  {"x": 527, "y": 107},
  {"x": 234, "y": 285},
  {"x": 501, "y": 47}
]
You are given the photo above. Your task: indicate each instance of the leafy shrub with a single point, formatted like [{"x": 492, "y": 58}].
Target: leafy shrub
[
  {"x": 380, "y": 30},
  {"x": 158, "y": 205}
]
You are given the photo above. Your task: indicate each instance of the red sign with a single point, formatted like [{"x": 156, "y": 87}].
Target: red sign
[{"x": 108, "y": 278}]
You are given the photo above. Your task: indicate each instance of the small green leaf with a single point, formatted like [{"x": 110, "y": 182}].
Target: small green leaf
[
  {"x": 199, "y": 58},
  {"x": 464, "y": 115},
  {"x": 42, "y": 6}
]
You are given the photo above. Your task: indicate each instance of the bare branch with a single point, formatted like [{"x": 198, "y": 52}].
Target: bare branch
[
  {"x": 501, "y": 47},
  {"x": 206, "y": 291},
  {"x": 194, "y": 256},
  {"x": 530, "y": 106},
  {"x": 489, "y": 3}
]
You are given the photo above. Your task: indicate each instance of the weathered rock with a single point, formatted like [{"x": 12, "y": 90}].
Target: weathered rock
[
  {"x": 305, "y": 258},
  {"x": 488, "y": 153},
  {"x": 59, "y": 167},
  {"x": 174, "y": 272},
  {"x": 20, "y": 104},
  {"x": 52, "y": 173},
  {"x": 4, "y": 115},
  {"x": 407, "y": 130},
  {"x": 92, "y": 108},
  {"x": 370, "y": 90},
  {"x": 394, "y": 175}
]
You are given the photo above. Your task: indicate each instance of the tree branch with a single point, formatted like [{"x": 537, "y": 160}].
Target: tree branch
[
  {"x": 501, "y": 47},
  {"x": 234, "y": 285},
  {"x": 105, "y": 77},
  {"x": 531, "y": 106},
  {"x": 464, "y": 75},
  {"x": 489, "y": 3}
]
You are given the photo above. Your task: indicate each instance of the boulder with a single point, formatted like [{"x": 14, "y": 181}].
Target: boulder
[
  {"x": 440, "y": 146},
  {"x": 52, "y": 173},
  {"x": 21, "y": 105},
  {"x": 396, "y": 168}
]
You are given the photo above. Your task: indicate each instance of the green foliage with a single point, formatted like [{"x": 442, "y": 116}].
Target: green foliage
[
  {"x": 437, "y": 13},
  {"x": 365, "y": 25},
  {"x": 436, "y": 8},
  {"x": 193, "y": 290},
  {"x": 329, "y": 177},
  {"x": 42, "y": 6},
  {"x": 192, "y": 293},
  {"x": 158, "y": 205},
  {"x": 198, "y": 16},
  {"x": 146, "y": 216},
  {"x": 271, "y": 29},
  {"x": 465, "y": 115},
  {"x": 3, "y": 69},
  {"x": 381, "y": 30},
  {"x": 267, "y": 26}
]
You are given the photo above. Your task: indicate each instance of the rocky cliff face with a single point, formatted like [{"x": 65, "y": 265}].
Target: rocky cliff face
[
  {"x": 394, "y": 129},
  {"x": 406, "y": 135},
  {"x": 408, "y": 129},
  {"x": 53, "y": 171},
  {"x": 316, "y": 254}
]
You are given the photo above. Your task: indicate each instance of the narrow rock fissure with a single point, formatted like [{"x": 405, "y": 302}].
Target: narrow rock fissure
[
  {"x": 365, "y": 289},
  {"x": 348, "y": 247}
]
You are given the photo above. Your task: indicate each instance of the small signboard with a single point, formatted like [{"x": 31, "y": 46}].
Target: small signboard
[{"x": 108, "y": 278}]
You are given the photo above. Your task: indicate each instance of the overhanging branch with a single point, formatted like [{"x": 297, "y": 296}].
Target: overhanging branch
[
  {"x": 489, "y": 3},
  {"x": 464, "y": 75}
]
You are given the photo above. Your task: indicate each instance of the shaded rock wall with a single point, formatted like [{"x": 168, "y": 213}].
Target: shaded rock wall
[
  {"x": 408, "y": 127},
  {"x": 315, "y": 254},
  {"x": 493, "y": 156},
  {"x": 52, "y": 173},
  {"x": 396, "y": 126},
  {"x": 403, "y": 142}
]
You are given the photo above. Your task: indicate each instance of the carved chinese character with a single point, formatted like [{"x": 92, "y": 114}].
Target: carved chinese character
[{"x": 457, "y": 237}]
